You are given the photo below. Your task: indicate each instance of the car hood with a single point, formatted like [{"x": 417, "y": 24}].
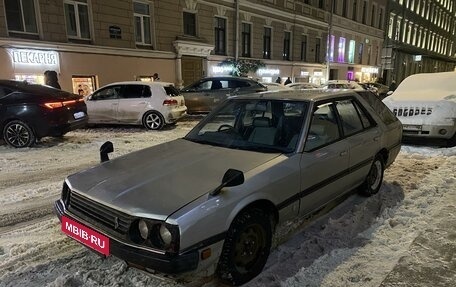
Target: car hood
[{"x": 157, "y": 181}]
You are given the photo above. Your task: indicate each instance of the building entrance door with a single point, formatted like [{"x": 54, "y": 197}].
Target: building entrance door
[{"x": 192, "y": 69}]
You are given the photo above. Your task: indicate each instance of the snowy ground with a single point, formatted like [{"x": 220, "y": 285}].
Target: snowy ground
[{"x": 403, "y": 236}]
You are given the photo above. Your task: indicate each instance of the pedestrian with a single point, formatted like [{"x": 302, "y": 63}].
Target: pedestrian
[
  {"x": 393, "y": 86},
  {"x": 288, "y": 81},
  {"x": 279, "y": 80},
  {"x": 155, "y": 77},
  {"x": 51, "y": 79}
]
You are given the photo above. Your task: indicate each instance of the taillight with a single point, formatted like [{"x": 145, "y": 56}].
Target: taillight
[
  {"x": 55, "y": 105},
  {"x": 171, "y": 102}
]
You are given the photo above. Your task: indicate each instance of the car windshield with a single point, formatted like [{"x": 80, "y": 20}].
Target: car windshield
[{"x": 253, "y": 124}]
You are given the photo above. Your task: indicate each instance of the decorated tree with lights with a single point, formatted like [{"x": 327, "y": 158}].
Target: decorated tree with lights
[{"x": 242, "y": 67}]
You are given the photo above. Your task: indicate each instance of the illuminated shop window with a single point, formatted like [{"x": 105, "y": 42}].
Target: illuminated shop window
[
  {"x": 351, "y": 51},
  {"x": 30, "y": 78},
  {"x": 331, "y": 48},
  {"x": 341, "y": 50}
]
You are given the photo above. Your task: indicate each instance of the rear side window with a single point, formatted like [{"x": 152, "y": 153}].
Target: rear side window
[
  {"x": 349, "y": 116},
  {"x": 379, "y": 107},
  {"x": 172, "y": 91},
  {"x": 134, "y": 91}
]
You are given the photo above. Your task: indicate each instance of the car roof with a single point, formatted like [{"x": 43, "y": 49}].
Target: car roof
[
  {"x": 299, "y": 95},
  {"x": 228, "y": 77}
]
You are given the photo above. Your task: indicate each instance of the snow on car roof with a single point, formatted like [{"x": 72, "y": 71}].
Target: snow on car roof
[{"x": 427, "y": 86}]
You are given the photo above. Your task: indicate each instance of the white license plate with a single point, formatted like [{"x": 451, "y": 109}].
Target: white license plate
[
  {"x": 411, "y": 127},
  {"x": 79, "y": 115}
]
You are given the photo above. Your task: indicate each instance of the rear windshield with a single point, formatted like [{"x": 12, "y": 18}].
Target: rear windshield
[
  {"x": 382, "y": 110},
  {"x": 172, "y": 91}
]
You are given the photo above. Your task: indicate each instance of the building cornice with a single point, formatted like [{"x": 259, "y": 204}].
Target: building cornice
[{"x": 191, "y": 48}]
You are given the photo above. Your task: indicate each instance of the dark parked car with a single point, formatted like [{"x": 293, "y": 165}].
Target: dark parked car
[
  {"x": 210, "y": 202},
  {"x": 29, "y": 112},
  {"x": 203, "y": 95}
]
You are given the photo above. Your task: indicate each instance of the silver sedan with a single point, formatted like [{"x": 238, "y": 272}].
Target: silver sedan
[{"x": 209, "y": 202}]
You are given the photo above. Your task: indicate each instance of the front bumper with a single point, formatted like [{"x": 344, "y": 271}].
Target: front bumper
[
  {"x": 138, "y": 257},
  {"x": 428, "y": 131}
]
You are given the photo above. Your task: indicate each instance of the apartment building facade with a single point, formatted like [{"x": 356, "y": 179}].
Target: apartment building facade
[
  {"x": 91, "y": 43},
  {"x": 420, "y": 38}
]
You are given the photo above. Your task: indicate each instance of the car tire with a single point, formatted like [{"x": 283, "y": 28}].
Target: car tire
[
  {"x": 452, "y": 141},
  {"x": 18, "y": 134},
  {"x": 153, "y": 121},
  {"x": 246, "y": 247},
  {"x": 374, "y": 178}
]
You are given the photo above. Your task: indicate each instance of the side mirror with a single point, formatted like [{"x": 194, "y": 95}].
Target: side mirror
[
  {"x": 105, "y": 149},
  {"x": 232, "y": 177}
]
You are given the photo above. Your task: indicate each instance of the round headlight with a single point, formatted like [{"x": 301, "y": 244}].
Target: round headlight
[
  {"x": 165, "y": 235},
  {"x": 143, "y": 229}
]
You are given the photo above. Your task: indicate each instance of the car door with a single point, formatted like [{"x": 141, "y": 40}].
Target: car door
[
  {"x": 363, "y": 137},
  {"x": 102, "y": 105},
  {"x": 132, "y": 103},
  {"x": 324, "y": 161},
  {"x": 199, "y": 97}
]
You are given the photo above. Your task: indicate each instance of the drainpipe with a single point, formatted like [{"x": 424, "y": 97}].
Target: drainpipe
[{"x": 236, "y": 27}]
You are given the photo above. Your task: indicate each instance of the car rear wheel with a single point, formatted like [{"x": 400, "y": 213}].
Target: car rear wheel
[
  {"x": 374, "y": 179},
  {"x": 18, "y": 134},
  {"x": 153, "y": 121},
  {"x": 246, "y": 248}
]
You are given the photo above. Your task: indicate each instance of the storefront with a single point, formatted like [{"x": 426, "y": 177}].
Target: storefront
[{"x": 82, "y": 69}]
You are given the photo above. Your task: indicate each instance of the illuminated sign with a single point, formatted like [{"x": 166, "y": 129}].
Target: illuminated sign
[
  {"x": 304, "y": 74},
  {"x": 34, "y": 57},
  {"x": 318, "y": 74},
  {"x": 417, "y": 58},
  {"x": 369, "y": 70},
  {"x": 222, "y": 69},
  {"x": 268, "y": 72}
]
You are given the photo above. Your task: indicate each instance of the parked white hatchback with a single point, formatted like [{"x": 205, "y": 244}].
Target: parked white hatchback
[{"x": 151, "y": 104}]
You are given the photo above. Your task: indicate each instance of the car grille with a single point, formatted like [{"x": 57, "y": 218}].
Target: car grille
[
  {"x": 411, "y": 111},
  {"x": 97, "y": 214}
]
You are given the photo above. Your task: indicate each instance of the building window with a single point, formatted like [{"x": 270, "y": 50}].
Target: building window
[
  {"x": 142, "y": 23},
  {"x": 341, "y": 50},
  {"x": 354, "y": 11},
  {"x": 380, "y": 18},
  {"x": 189, "y": 24},
  {"x": 220, "y": 36},
  {"x": 77, "y": 19},
  {"x": 373, "y": 16},
  {"x": 364, "y": 15},
  {"x": 344, "y": 8},
  {"x": 351, "y": 52},
  {"x": 317, "y": 50},
  {"x": 321, "y": 4},
  {"x": 304, "y": 48},
  {"x": 286, "y": 45},
  {"x": 360, "y": 53},
  {"x": 246, "y": 36},
  {"x": 331, "y": 48},
  {"x": 267, "y": 43},
  {"x": 20, "y": 16}
]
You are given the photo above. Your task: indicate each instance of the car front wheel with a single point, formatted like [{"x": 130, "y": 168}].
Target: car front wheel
[
  {"x": 373, "y": 181},
  {"x": 18, "y": 134},
  {"x": 246, "y": 248},
  {"x": 153, "y": 121}
]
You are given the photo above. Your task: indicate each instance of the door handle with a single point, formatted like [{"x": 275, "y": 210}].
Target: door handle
[{"x": 344, "y": 153}]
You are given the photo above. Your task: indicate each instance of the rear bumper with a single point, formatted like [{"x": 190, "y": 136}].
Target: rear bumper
[
  {"x": 138, "y": 257},
  {"x": 60, "y": 129},
  {"x": 176, "y": 114}
]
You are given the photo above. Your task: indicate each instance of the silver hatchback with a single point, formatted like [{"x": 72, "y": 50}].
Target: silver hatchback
[{"x": 210, "y": 202}]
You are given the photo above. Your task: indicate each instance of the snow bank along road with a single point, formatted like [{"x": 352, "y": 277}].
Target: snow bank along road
[{"x": 403, "y": 236}]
